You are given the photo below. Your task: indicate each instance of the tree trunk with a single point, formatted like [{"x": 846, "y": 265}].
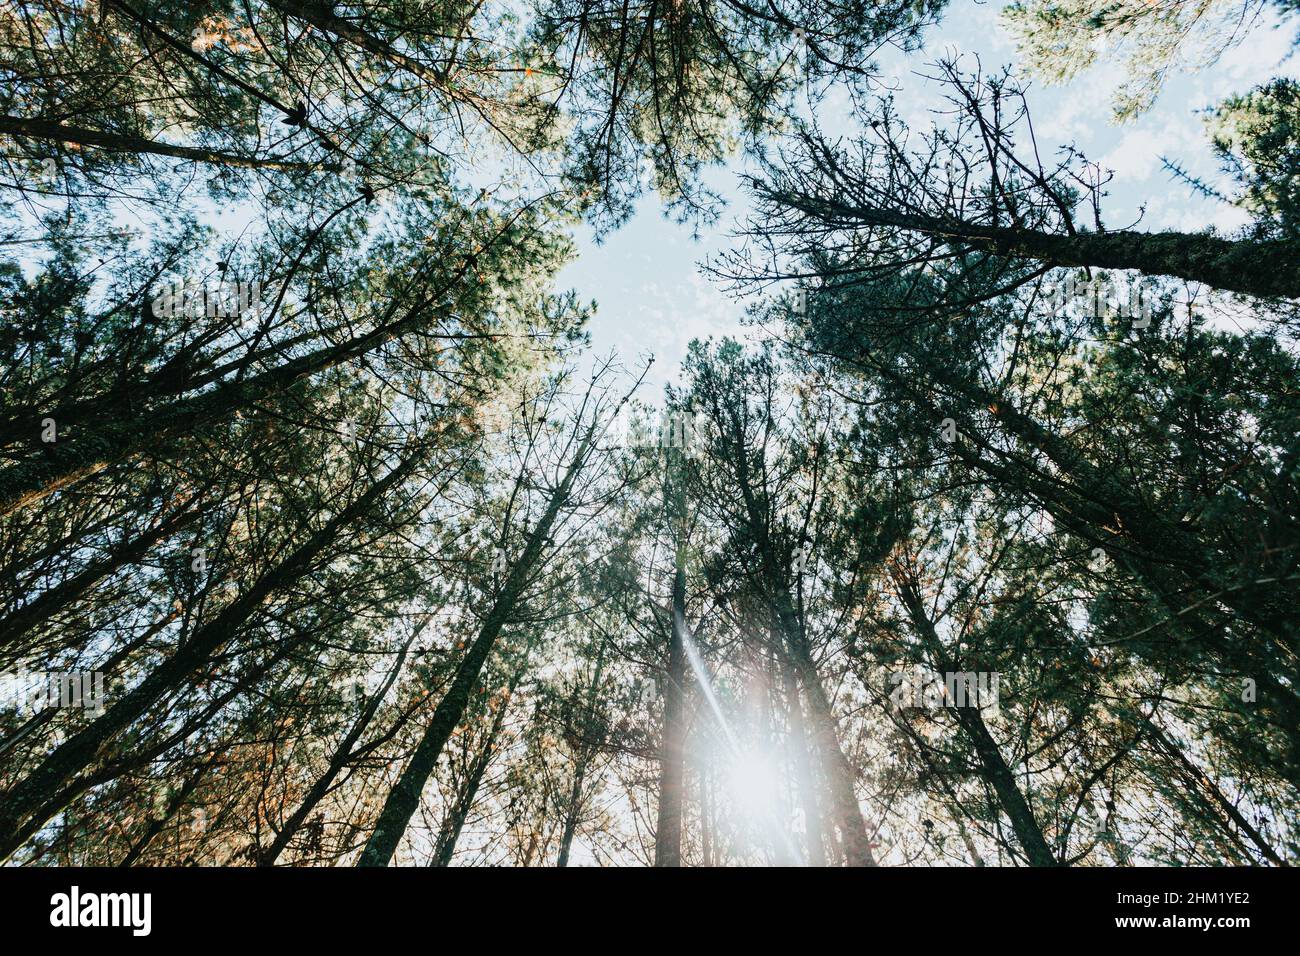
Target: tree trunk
[
  {"x": 848, "y": 812},
  {"x": 117, "y": 434},
  {"x": 48, "y": 603},
  {"x": 804, "y": 778},
  {"x": 19, "y": 818},
  {"x": 999, "y": 775},
  {"x": 47, "y": 714},
  {"x": 573, "y": 807},
  {"x": 445, "y": 848},
  {"x": 404, "y": 798},
  {"x": 124, "y": 143},
  {"x": 672, "y": 753},
  {"x": 342, "y": 754},
  {"x": 1215, "y": 796},
  {"x": 1265, "y": 268},
  {"x": 995, "y": 769}
]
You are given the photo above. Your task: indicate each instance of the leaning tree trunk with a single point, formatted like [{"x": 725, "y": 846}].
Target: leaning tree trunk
[
  {"x": 404, "y": 798},
  {"x": 573, "y": 807},
  {"x": 1207, "y": 793},
  {"x": 1258, "y": 267},
  {"x": 113, "y": 434},
  {"x": 342, "y": 754},
  {"x": 994, "y": 768},
  {"x": 445, "y": 848},
  {"x": 571, "y": 814},
  {"x": 848, "y": 812},
  {"x": 841, "y": 777},
  {"x": 79, "y": 136},
  {"x": 109, "y": 668},
  {"x": 48, "y": 603},
  {"x": 27, "y": 806}
]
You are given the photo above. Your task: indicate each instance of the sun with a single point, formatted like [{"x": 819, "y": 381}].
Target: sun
[{"x": 754, "y": 784}]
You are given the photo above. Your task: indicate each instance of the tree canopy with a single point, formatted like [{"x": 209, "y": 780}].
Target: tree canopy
[{"x": 328, "y": 538}]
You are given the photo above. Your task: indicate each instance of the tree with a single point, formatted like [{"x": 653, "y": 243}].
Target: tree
[
  {"x": 969, "y": 195},
  {"x": 1060, "y": 39}
]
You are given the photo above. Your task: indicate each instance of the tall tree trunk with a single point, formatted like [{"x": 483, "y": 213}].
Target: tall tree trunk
[
  {"x": 848, "y": 812},
  {"x": 123, "y": 143},
  {"x": 572, "y": 812},
  {"x": 1266, "y": 268},
  {"x": 994, "y": 767},
  {"x": 975, "y": 859},
  {"x": 27, "y": 806},
  {"x": 1209, "y": 793},
  {"x": 840, "y": 775},
  {"x": 48, "y": 603},
  {"x": 113, "y": 434},
  {"x": 342, "y": 754},
  {"x": 445, "y": 848},
  {"x": 586, "y": 751},
  {"x": 47, "y": 714},
  {"x": 672, "y": 751},
  {"x": 404, "y": 798},
  {"x": 1000, "y": 777},
  {"x": 803, "y": 769}
]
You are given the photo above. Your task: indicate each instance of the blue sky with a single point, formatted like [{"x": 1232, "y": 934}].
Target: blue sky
[{"x": 653, "y": 299}]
